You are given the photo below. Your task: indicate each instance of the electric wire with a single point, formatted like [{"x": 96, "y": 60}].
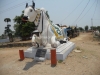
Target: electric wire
[
  {"x": 81, "y": 12},
  {"x": 8, "y": 3},
  {"x": 13, "y": 7},
  {"x": 96, "y": 19},
  {"x": 87, "y": 11},
  {"x": 95, "y": 9},
  {"x": 71, "y": 12}
]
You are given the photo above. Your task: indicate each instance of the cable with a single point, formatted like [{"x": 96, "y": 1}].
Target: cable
[
  {"x": 8, "y": 3},
  {"x": 82, "y": 12},
  {"x": 71, "y": 12},
  {"x": 87, "y": 11},
  {"x": 96, "y": 19},
  {"x": 95, "y": 9},
  {"x": 12, "y": 7}
]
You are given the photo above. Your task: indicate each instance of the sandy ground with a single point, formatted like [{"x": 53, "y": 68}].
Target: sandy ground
[{"x": 86, "y": 62}]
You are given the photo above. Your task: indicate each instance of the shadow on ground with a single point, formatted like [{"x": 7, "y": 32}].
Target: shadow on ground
[{"x": 30, "y": 64}]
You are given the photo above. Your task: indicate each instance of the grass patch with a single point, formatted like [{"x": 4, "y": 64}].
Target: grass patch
[{"x": 60, "y": 61}]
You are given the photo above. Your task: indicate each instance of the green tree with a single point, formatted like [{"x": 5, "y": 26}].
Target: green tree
[
  {"x": 8, "y": 31},
  {"x": 98, "y": 28},
  {"x": 7, "y": 20},
  {"x": 86, "y": 28},
  {"x": 18, "y": 19},
  {"x": 23, "y": 29},
  {"x": 93, "y": 27},
  {"x": 80, "y": 29},
  {"x": 2, "y": 36}
]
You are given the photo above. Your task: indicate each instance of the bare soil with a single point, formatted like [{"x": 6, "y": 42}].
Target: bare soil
[{"x": 86, "y": 62}]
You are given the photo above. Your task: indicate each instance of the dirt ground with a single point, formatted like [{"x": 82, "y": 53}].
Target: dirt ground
[{"x": 86, "y": 62}]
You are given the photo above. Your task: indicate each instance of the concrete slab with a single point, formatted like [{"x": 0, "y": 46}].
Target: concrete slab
[{"x": 62, "y": 51}]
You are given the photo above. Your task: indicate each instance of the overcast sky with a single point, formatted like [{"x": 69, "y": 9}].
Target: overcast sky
[{"x": 66, "y": 12}]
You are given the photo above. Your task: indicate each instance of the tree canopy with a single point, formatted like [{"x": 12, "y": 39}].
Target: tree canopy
[
  {"x": 23, "y": 29},
  {"x": 95, "y": 28},
  {"x": 7, "y": 30},
  {"x": 81, "y": 29},
  {"x": 7, "y": 20},
  {"x": 86, "y": 28}
]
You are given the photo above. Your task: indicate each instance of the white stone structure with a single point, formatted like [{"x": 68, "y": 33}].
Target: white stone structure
[
  {"x": 50, "y": 34},
  {"x": 61, "y": 51}
]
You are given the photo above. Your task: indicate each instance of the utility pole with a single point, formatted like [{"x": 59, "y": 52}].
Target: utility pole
[
  {"x": 76, "y": 25},
  {"x": 92, "y": 24}
]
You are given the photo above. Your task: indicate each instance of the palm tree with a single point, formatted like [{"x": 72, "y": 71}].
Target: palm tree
[{"x": 7, "y": 20}]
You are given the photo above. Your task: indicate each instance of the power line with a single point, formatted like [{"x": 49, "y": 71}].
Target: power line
[
  {"x": 95, "y": 9},
  {"x": 87, "y": 11},
  {"x": 96, "y": 19},
  {"x": 72, "y": 11},
  {"x": 93, "y": 15},
  {"x": 82, "y": 12},
  {"x": 8, "y": 3},
  {"x": 13, "y": 7}
]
